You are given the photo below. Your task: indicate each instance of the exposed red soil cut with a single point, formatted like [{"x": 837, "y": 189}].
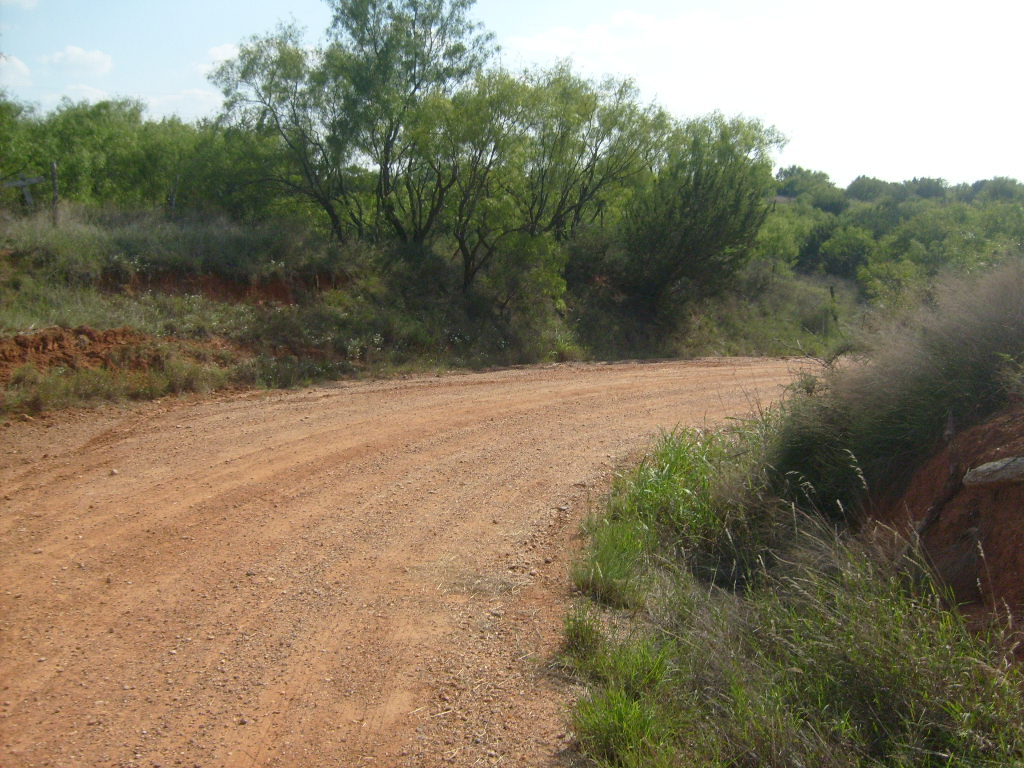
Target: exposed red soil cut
[
  {"x": 972, "y": 534},
  {"x": 81, "y": 347},
  {"x": 85, "y": 347}
]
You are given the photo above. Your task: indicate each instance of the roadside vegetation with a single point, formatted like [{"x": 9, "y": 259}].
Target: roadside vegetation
[
  {"x": 734, "y": 612},
  {"x": 352, "y": 211}
]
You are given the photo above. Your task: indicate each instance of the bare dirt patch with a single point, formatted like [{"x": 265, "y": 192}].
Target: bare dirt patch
[{"x": 366, "y": 573}]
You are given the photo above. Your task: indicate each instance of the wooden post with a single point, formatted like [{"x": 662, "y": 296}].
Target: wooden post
[{"x": 56, "y": 197}]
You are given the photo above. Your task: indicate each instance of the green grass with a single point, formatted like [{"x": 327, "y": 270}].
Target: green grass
[
  {"x": 834, "y": 655},
  {"x": 612, "y": 571},
  {"x": 115, "y": 247},
  {"x": 772, "y": 314},
  {"x": 32, "y": 391},
  {"x": 740, "y": 619}
]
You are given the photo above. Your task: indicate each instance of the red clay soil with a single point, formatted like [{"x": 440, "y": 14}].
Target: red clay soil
[
  {"x": 85, "y": 347},
  {"x": 81, "y": 347},
  {"x": 973, "y": 535}
]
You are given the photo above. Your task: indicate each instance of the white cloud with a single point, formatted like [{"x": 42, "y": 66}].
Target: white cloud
[
  {"x": 188, "y": 105},
  {"x": 80, "y": 61},
  {"x": 21, "y": 3},
  {"x": 14, "y": 73},
  {"x": 81, "y": 92},
  {"x": 215, "y": 57}
]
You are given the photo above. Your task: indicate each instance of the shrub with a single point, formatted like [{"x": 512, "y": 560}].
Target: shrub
[{"x": 870, "y": 423}]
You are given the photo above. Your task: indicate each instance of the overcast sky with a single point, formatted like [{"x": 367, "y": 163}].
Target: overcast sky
[{"x": 887, "y": 88}]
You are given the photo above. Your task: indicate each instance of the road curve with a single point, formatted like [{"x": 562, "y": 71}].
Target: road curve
[{"x": 363, "y": 573}]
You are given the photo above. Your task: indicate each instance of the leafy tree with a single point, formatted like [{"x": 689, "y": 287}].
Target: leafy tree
[
  {"x": 15, "y": 120},
  {"x": 1000, "y": 189},
  {"x": 277, "y": 87},
  {"x": 696, "y": 224},
  {"x": 392, "y": 56},
  {"x": 869, "y": 189},
  {"x": 785, "y": 233},
  {"x": 483, "y": 139},
  {"x": 927, "y": 188},
  {"x": 586, "y": 143},
  {"x": 813, "y": 186},
  {"x": 846, "y": 251}
]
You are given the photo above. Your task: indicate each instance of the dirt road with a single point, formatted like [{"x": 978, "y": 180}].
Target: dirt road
[{"x": 368, "y": 573}]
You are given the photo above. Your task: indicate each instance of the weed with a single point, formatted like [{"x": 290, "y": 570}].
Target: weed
[
  {"x": 32, "y": 391},
  {"x": 617, "y": 729},
  {"x": 611, "y": 571},
  {"x": 583, "y": 637}
]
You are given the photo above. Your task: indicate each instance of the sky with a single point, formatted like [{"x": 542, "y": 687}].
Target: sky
[{"x": 894, "y": 89}]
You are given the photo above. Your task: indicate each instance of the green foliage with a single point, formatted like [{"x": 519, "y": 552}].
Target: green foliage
[
  {"x": 869, "y": 189},
  {"x": 582, "y": 633},
  {"x": 813, "y": 187},
  {"x": 846, "y": 250},
  {"x": 613, "y": 568},
  {"x": 894, "y": 238},
  {"x": 32, "y": 391},
  {"x": 537, "y": 215},
  {"x": 139, "y": 248},
  {"x": 763, "y": 634},
  {"x": 772, "y": 312}
]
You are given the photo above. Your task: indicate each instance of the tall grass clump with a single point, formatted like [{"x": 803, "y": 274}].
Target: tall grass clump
[
  {"x": 687, "y": 503},
  {"x": 869, "y": 423}
]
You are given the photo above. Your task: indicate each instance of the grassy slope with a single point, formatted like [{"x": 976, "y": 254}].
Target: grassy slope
[{"x": 349, "y": 310}]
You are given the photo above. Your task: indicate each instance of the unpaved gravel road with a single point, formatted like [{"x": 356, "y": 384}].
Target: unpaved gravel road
[{"x": 368, "y": 573}]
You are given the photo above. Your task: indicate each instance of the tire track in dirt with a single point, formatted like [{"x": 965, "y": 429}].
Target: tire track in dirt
[{"x": 368, "y": 573}]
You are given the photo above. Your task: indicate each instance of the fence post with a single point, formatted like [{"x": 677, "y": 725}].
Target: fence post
[{"x": 56, "y": 197}]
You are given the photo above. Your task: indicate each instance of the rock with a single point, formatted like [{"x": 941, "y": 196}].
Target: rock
[{"x": 1008, "y": 470}]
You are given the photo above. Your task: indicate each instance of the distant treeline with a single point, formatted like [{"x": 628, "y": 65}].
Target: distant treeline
[{"x": 892, "y": 237}]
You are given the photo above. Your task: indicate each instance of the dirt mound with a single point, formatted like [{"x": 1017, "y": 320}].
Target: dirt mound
[{"x": 972, "y": 533}]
